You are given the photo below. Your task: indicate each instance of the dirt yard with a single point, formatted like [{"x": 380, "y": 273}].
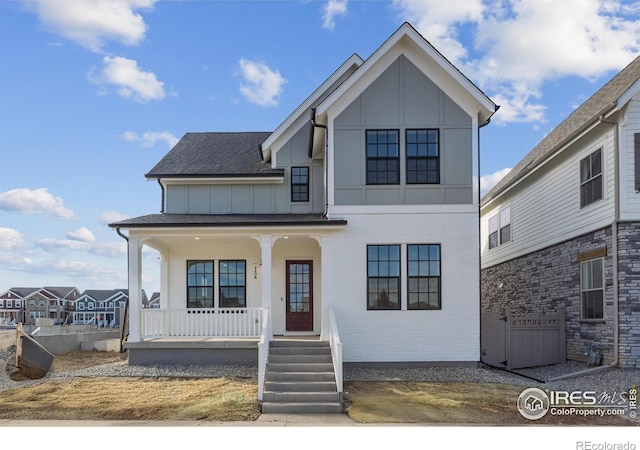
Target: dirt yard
[{"x": 231, "y": 399}]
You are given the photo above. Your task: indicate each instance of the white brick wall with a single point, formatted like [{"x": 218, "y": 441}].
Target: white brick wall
[{"x": 449, "y": 334}]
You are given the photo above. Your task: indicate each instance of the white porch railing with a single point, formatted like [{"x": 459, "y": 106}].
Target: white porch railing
[
  {"x": 336, "y": 349},
  {"x": 201, "y": 322},
  {"x": 266, "y": 336}
]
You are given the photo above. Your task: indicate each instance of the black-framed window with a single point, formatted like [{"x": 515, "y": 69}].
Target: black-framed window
[
  {"x": 591, "y": 178},
  {"x": 199, "y": 284},
  {"x": 592, "y": 289},
  {"x": 233, "y": 284},
  {"x": 423, "y": 156},
  {"x": 299, "y": 184},
  {"x": 423, "y": 276},
  {"x": 383, "y": 157},
  {"x": 383, "y": 277}
]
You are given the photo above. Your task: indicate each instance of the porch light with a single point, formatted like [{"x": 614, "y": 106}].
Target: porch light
[{"x": 196, "y": 238}]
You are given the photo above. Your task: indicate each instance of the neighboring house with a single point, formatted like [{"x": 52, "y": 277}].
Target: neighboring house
[
  {"x": 154, "y": 301},
  {"x": 355, "y": 218},
  {"x": 100, "y": 307},
  {"x": 562, "y": 229},
  {"x": 12, "y": 304},
  {"x": 49, "y": 302}
]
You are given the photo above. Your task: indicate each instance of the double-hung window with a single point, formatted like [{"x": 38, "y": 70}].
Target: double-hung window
[
  {"x": 199, "y": 284},
  {"x": 592, "y": 289},
  {"x": 383, "y": 277},
  {"x": 500, "y": 228},
  {"x": 423, "y": 156},
  {"x": 591, "y": 178},
  {"x": 383, "y": 157},
  {"x": 423, "y": 267},
  {"x": 233, "y": 284},
  {"x": 299, "y": 184}
]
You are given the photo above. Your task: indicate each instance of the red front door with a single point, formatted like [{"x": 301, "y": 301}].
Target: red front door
[{"x": 299, "y": 295}]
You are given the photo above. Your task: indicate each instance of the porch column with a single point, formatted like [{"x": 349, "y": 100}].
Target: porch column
[
  {"x": 135, "y": 287},
  {"x": 164, "y": 279},
  {"x": 325, "y": 286},
  {"x": 266, "y": 244}
]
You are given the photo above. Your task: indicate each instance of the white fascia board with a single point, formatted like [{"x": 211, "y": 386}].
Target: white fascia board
[
  {"x": 300, "y": 115},
  {"x": 523, "y": 177},
  {"x": 229, "y": 231},
  {"x": 409, "y": 42},
  {"x": 222, "y": 180},
  {"x": 628, "y": 95},
  {"x": 336, "y": 212}
]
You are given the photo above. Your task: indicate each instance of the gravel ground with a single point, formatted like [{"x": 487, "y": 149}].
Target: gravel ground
[{"x": 607, "y": 380}]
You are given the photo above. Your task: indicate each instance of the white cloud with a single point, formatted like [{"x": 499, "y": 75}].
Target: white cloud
[
  {"x": 333, "y": 9},
  {"x": 489, "y": 181},
  {"x": 11, "y": 239},
  {"x": 129, "y": 80},
  {"x": 82, "y": 234},
  {"x": 261, "y": 85},
  {"x": 108, "y": 217},
  {"x": 97, "y": 248},
  {"x": 34, "y": 201},
  {"x": 91, "y": 23},
  {"x": 149, "y": 138},
  {"x": 526, "y": 43}
]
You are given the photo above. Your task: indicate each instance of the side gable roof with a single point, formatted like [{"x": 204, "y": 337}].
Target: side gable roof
[
  {"x": 602, "y": 102},
  {"x": 215, "y": 155},
  {"x": 408, "y": 35}
]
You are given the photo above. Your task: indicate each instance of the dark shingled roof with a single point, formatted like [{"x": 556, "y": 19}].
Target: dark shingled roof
[
  {"x": 583, "y": 116},
  {"x": 225, "y": 220},
  {"x": 216, "y": 155}
]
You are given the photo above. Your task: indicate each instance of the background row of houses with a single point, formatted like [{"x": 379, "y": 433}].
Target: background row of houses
[{"x": 66, "y": 305}]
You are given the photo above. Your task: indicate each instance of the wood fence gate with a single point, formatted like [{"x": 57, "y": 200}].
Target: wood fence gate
[{"x": 519, "y": 340}]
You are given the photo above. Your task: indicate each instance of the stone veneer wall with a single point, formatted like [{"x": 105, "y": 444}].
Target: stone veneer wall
[
  {"x": 549, "y": 278},
  {"x": 629, "y": 293}
]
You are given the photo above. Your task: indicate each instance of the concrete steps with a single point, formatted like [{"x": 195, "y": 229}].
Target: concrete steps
[{"x": 300, "y": 379}]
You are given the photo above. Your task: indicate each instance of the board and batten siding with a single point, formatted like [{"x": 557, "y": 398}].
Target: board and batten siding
[
  {"x": 545, "y": 207},
  {"x": 401, "y": 98},
  {"x": 254, "y": 198},
  {"x": 629, "y": 162}
]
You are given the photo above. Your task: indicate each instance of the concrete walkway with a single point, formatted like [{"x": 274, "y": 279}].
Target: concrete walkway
[{"x": 265, "y": 420}]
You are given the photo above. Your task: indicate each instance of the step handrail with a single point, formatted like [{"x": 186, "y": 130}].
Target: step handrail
[
  {"x": 263, "y": 350},
  {"x": 336, "y": 349}
]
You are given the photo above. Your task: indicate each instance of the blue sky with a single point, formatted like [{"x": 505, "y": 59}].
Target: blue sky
[{"x": 94, "y": 92}]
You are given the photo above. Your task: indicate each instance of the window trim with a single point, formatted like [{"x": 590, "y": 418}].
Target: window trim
[
  {"x": 306, "y": 185},
  {"x": 197, "y": 286},
  {"x": 379, "y": 158},
  {"x": 438, "y": 277},
  {"x": 426, "y": 158},
  {"x": 377, "y": 277},
  {"x": 591, "y": 179},
  {"x": 221, "y": 286},
  {"x": 497, "y": 228},
  {"x": 592, "y": 289}
]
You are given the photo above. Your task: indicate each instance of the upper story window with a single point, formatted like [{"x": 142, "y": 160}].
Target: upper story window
[
  {"x": 383, "y": 277},
  {"x": 423, "y": 156},
  {"x": 299, "y": 184},
  {"x": 199, "y": 284},
  {"x": 18, "y": 303},
  {"x": 383, "y": 157},
  {"x": 32, "y": 303},
  {"x": 592, "y": 289},
  {"x": 591, "y": 178},
  {"x": 500, "y": 228},
  {"x": 233, "y": 284}
]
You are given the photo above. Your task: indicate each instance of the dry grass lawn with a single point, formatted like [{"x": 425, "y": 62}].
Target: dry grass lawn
[{"x": 231, "y": 399}]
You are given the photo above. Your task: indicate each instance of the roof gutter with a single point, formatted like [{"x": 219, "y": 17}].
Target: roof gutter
[{"x": 162, "y": 195}]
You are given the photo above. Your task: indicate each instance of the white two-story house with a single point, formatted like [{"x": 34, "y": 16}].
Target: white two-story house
[
  {"x": 562, "y": 229},
  {"x": 354, "y": 221}
]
